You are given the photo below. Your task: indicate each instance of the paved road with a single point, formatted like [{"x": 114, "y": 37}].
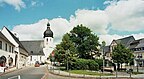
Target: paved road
[
  {"x": 27, "y": 73},
  {"x": 32, "y": 73}
]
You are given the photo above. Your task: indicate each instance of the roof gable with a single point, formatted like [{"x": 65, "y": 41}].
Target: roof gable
[
  {"x": 4, "y": 38},
  {"x": 125, "y": 41},
  {"x": 15, "y": 38}
]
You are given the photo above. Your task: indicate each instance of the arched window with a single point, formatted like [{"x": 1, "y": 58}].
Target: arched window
[
  {"x": 10, "y": 61},
  {"x": 2, "y": 61}
]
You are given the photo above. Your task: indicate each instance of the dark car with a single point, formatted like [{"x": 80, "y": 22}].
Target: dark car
[{"x": 37, "y": 64}]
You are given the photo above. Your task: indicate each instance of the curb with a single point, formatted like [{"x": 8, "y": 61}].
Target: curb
[
  {"x": 96, "y": 77},
  {"x": 12, "y": 71}
]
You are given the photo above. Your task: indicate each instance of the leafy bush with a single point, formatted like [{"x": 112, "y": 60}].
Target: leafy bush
[
  {"x": 84, "y": 64},
  {"x": 100, "y": 62},
  {"x": 93, "y": 65},
  {"x": 81, "y": 64}
]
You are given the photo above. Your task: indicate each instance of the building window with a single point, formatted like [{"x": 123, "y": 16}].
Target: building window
[
  {"x": 5, "y": 47},
  {"x": 47, "y": 39},
  {"x": 30, "y": 58},
  {"x": 31, "y": 51},
  {"x": 40, "y": 58},
  {"x": 0, "y": 44},
  {"x": 12, "y": 50},
  {"x": 9, "y": 48},
  {"x": 143, "y": 48},
  {"x": 139, "y": 56}
]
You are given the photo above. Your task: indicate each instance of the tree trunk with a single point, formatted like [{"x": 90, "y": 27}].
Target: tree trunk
[
  {"x": 121, "y": 65},
  {"x": 118, "y": 66}
]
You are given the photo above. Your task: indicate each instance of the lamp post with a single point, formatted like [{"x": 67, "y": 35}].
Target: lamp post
[
  {"x": 103, "y": 45},
  {"x": 103, "y": 60}
]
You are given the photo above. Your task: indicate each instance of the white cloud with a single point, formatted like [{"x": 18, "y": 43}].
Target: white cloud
[
  {"x": 127, "y": 15},
  {"x": 108, "y": 38},
  {"x": 138, "y": 36},
  {"x": 59, "y": 26},
  {"x": 35, "y": 31},
  {"x": 31, "y": 31},
  {"x": 97, "y": 20},
  {"x": 18, "y": 4},
  {"x": 33, "y": 3},
  {"x": 124, "y": 15}
]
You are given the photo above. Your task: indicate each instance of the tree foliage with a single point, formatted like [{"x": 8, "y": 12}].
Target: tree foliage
[
  {"x": 79, "y": 43},
  {"x": 85, "y": 42},
  {"x": 121, "y": 55}
]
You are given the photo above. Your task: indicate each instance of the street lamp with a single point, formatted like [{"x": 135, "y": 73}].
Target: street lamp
[
  {"x": 103, "y": 45},
  {"x": 103, "y": 59}
]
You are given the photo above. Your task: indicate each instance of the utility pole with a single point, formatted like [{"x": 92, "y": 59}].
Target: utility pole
[
  {"x": 103, "y": 45},
  {"x": 103, "y": 60}
]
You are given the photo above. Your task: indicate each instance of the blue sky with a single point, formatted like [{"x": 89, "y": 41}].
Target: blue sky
[
  {"x": 39, "y": 9},
  {"x": 110, "y": 19}
]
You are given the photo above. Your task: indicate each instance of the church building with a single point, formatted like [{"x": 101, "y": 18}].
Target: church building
[{"x": 39, "y": 50}]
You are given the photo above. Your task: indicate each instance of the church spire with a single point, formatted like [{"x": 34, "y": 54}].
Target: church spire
[{"x": 48, "y": 32}]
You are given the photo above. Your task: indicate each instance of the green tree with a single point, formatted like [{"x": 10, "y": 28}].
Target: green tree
[
  {"x": 85, "y": 41},
  {"x": 121, "y": 55},
  {"x": 59, "y": 54},
  {"x": 66, "y": 51}
]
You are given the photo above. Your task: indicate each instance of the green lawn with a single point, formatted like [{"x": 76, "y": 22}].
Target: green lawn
[
  {"x": 137, "y": 73},
  {"x": 86, "y": 72}
]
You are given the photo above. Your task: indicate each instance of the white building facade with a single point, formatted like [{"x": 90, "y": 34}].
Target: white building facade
[
  {"x": 7, "y": 55},
  {"x": 19, "y": 50}
]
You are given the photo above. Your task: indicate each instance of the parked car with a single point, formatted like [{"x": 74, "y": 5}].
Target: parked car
[{"x": 37, "y": 64}]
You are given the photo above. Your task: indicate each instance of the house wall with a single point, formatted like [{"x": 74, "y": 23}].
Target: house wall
[
  {"x": 7, "y": 53},
  {"x": 16, "y": 48},
  {"x": 33, "y": 58},
  {"x": 139, "y": 58},
  {"x": 9, "y": 37},
  {"x": 23, "y": 58}
]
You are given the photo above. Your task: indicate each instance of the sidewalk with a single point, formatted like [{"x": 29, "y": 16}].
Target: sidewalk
[
  {"x": 8, "y": 70},
  {"x": 56, "y": 71},
  {"x": 11, "y": 70}
]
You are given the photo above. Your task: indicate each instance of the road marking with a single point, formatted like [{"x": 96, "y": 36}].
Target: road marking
[
  {"x": 18, "y": 76},
  {"x": 46, "y": 74}
]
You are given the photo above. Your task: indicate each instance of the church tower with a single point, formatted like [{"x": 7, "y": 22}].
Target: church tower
[{"x": 48, "y": 37}]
